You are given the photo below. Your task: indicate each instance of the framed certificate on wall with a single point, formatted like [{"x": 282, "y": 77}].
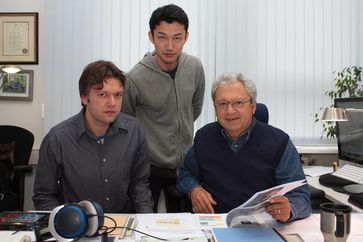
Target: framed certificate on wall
[{"x": 18, "y": 38}]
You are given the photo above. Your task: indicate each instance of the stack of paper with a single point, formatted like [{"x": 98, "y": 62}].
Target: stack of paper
[{"x": 169, "y": 226}]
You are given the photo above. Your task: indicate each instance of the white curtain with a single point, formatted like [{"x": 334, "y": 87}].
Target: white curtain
[{"x": 290, "y": 48}]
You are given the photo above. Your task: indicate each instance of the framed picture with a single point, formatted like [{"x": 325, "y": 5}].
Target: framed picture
[
  {"x": 18, "y": 86},
  {"x": 18, "y": 38}
]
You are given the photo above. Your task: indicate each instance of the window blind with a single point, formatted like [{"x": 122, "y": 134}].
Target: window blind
[{"x": 290, "y": 48}]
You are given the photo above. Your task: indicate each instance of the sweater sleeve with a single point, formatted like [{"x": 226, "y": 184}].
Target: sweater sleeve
[
  {"x": 130, "y": 98},
  {"x": 288, "y": 170},
  {"x": 199, "y": 94},
  {"x": 188, "y": 174}
]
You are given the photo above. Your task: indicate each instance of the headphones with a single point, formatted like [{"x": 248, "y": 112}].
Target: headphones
[{"x": 73, "y": 221}]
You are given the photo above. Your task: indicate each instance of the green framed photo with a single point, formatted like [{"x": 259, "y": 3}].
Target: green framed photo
[{"x": 18, "y": 86}]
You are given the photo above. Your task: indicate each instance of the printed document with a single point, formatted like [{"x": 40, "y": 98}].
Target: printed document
[{"x": 245, "y": 213}]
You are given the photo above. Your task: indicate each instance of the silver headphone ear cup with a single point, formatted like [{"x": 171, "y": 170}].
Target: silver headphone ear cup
[
  {"x": 51, "y": 226},
  {"x": 73, "y": 221},
  {"x": 68, "y": 222},
  {"x": 92, "y": 217},
  {"x": 101, "y": 215}
]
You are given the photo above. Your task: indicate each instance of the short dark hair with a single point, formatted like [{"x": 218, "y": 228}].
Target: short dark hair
[
  {"x": 168, "y": 13},
  {"x": 96, "y": 73}
]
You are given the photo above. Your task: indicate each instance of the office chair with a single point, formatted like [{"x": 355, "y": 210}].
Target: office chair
[
  {"x": 261, "y": 113},
  {"x": 16, "y": 144}
]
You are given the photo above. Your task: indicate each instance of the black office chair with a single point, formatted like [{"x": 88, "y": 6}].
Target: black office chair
[
  {"x": 261, "y": 113},
  {"x": 16, "y": 144}
]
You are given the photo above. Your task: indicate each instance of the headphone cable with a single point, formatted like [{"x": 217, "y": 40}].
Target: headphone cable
[
  {"x": 132, "y": 229},
  {"x": 106, "y": 232},
  {"x": 29, "y": 226}
]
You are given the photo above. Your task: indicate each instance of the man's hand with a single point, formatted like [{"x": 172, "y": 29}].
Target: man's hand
[
  {"x": 202, "y": 200},
  {"x": 279, "y": 208}
]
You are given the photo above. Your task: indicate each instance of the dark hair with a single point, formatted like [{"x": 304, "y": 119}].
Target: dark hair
[
  {"x": 96, "y": 72},
  {"x": 168, "y": 13}
]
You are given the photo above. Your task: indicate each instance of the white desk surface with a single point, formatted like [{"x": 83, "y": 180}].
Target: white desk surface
[
  {"x": 307, "y": 229},
  {"x": 332, "y": 195},
  {"x": 317, "y": 149}
]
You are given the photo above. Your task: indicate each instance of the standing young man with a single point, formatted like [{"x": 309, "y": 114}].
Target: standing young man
[
  {"x": 165, "y": 92},
  {"x": 98, "y": 154}
]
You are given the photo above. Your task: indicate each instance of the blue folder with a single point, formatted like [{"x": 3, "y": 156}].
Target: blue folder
[{"x": 250, "y": 234}]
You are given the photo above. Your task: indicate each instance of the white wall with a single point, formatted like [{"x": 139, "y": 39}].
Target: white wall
[{"x": 23, "y": 113}]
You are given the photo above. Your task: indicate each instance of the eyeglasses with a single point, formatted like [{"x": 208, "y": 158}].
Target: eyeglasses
[{"x": 239, "y": 103}]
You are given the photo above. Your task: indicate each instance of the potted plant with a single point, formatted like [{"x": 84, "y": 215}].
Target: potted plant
[{"x": 348, "y": 83}]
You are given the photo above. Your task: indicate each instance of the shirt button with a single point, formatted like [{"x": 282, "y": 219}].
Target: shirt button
[
  {"x": 107, "y": 198},
  {"x": 104, "y": 160},
  {"x": 106, "y": 180},
  {"x": 98, "y": 141}
]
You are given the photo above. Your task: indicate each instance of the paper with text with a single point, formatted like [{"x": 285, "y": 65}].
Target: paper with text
[{"x": 243, "y": 214}]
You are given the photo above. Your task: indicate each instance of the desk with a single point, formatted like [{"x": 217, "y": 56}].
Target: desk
[
  {"x": 332, "y": 195},
  {"x": 308, "y": 229}
]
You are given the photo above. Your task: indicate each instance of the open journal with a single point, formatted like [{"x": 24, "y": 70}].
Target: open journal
[{"x": 244, "y": 214}]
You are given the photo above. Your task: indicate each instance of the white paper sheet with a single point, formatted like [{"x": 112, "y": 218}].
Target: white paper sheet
[
  {"x": 314, "y": 171},
  {"x": 169, "y": 225}
]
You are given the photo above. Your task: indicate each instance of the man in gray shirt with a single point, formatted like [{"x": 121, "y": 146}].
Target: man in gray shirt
[
  {"x": 99, "y": 153},
  {"x": 165, "y": 92}
]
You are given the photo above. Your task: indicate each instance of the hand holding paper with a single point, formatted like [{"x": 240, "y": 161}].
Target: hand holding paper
[
  {"x": 279, "y": 208},
  {"x": 260, "y": 200}
]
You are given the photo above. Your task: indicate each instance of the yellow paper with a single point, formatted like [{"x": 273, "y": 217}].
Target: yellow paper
[{"x": 121, "y": 221}]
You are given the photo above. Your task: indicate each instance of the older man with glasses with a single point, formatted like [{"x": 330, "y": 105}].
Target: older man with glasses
[{"x": 237, "y": 156}]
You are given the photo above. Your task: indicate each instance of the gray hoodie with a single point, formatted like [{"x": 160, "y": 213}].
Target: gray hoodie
[{"x": 167, "y": 108}]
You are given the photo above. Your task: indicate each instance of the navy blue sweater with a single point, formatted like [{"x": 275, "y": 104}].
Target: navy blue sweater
[{"x": 245, "y": 172}]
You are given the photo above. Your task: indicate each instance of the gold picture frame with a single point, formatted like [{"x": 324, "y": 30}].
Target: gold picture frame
[
  {"x": 18, "y": 38},
  {"x": 17, "y": 86}
]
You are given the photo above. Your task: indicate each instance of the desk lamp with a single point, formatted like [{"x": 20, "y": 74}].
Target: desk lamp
[{"x": 338, "y": 114}]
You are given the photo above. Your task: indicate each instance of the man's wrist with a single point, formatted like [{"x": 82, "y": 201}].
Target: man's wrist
[{"x": 192, "y": 189}]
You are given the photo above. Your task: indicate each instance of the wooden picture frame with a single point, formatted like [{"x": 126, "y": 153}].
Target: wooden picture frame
[
  {"x": 17, "y": 86},
  {"x": 18, "y": 38}
]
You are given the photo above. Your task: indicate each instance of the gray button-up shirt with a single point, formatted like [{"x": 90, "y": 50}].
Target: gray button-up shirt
[{"x": 75, "y": 165}]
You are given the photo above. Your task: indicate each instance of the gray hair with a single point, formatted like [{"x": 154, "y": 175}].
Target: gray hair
[{"x": 230, "y": 78}]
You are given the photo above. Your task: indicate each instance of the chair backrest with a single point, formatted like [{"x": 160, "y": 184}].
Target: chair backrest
[
  {"x": 261, "y": 113},
  {"x": 22, "y": 140}
]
